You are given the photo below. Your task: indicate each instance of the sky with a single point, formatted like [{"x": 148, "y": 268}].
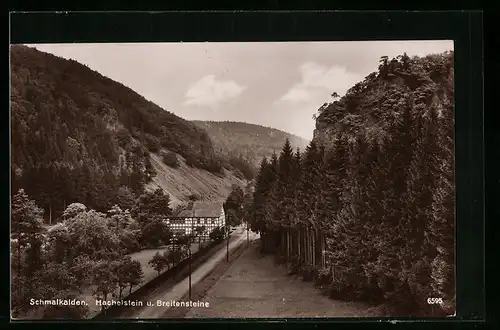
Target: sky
[{"x": 279, "y": 85}]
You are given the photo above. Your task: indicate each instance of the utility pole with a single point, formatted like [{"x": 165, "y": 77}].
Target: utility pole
[
  {"x": 190, "y": 260},
  {"x": 227, "y": 240},
  {"x": 189, "y": 273},
  {"x": 248, "y": 236}
]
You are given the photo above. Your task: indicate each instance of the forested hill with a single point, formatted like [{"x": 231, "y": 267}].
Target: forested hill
[
  {"x": 78, "y": 136},
  {"x": 250, "y": 141},
  {"x": 368, "y": 210},
  {"x": 374, "y": 106}
]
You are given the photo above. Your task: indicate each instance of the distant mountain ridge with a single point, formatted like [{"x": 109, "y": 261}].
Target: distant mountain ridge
[{"x": 250, "y": 141}]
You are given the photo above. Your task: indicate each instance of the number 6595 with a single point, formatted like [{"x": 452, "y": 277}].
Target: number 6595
[{"x": 433, "y": 301}]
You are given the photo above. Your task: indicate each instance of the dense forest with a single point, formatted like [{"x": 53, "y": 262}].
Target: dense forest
[
  {"x": 368, "y": 210},
  {"x": 247, "y": 141},
  {"x": 78, "y": 136}
]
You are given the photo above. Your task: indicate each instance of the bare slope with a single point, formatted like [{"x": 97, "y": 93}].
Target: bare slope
[{"x": 180, "y": 183}]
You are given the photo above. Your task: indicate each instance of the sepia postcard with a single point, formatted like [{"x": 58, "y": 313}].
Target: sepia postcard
[{"x": 232, "y": 180}]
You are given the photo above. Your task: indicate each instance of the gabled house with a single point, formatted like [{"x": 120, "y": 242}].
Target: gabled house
[{"x": 207, "y": 214}]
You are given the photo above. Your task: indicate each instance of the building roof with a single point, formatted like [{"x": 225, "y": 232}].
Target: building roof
[
  {"x": 203, "y": 209},
  {"x": 185, "y": 213}
]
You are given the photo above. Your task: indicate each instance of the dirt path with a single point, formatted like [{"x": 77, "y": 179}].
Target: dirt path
[
  {"x": 255, "y": 287},
  {"x": 179, "y": 290}
]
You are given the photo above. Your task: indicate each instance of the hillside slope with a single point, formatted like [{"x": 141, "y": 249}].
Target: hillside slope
[
  {"x": 78, "y": 136},
  {"x": 184, "y": 181},
  {"x": 250, "y": 141}
]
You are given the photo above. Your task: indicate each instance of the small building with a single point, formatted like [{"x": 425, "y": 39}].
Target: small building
[{"x": 208, "y": 214}]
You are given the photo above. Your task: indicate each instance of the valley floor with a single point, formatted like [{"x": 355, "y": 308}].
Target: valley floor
[{"x": 255, "y": 287}]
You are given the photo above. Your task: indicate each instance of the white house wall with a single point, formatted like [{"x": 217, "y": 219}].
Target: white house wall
[{"x": 191, "y": 223}]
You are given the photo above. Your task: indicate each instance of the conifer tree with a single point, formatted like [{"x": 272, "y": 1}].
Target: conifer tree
[
  {"x": 283, "y": 193},
  {"x": 26, "y": 229},
  {"x": 261, "y": 187}
]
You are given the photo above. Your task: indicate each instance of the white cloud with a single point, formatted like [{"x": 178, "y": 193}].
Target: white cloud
[
  {"x": 210, "y": 91},
  {"x": 297, "y": 94},
  {"x": 317, "y": 80}
]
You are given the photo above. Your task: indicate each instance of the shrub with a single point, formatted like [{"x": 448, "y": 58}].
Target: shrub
[
  {"x": 73, "y": 210},
  {"x": 192, "y": 161},
  {"x": 213, "y": 165},
  {"x": 238, "y": 174},
  {"x": 152, "y": 143},
  {"x": 125, "y": 198},
  {"x": 323, "y": 277},
  {"x": 170, "y": 159},
  {"x": 194, "y": 197},
  {"x": 123, "y": 137},
  {"x": 307, "y": 273},
  {"x": 217, "y": 234},
  {"x": 294, "y": 266},
  {"x": 340, "y": 290},
  {"x": 158, "y": 262},
  {"x": 129, "y": 244},
  {"x": 243, "y": 169}
]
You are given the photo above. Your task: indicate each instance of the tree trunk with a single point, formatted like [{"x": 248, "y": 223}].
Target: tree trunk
[
  {"x": 272, "y": 239},
  {"x": 296, "y": 242},
  {"x": 308, "y": 234},
  {"x": 313, "y": 246},
  {"x": 288, "y": 245},
  {"x": 318, "y": 245},
  {"x": 103, "y": 307},
  {"x": 50, "y": 214},
  {"x": 19, "y": 289},
  {"x": 301, "y": 245},
  {"x": 304, "y": 242},
  {"x": 277, "y": 239},
  {"x": 308, "y": 252},
  {"x": 283, "y": 242},
  {"x": 268, "y": 242},
  {"x": 323, "y": 248},
  {"x": 298, "y": 245},
  {"x": 262, "y": 242},
  {"x": 285, "y": 239},
  {"x": 309, "y": 247}
]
